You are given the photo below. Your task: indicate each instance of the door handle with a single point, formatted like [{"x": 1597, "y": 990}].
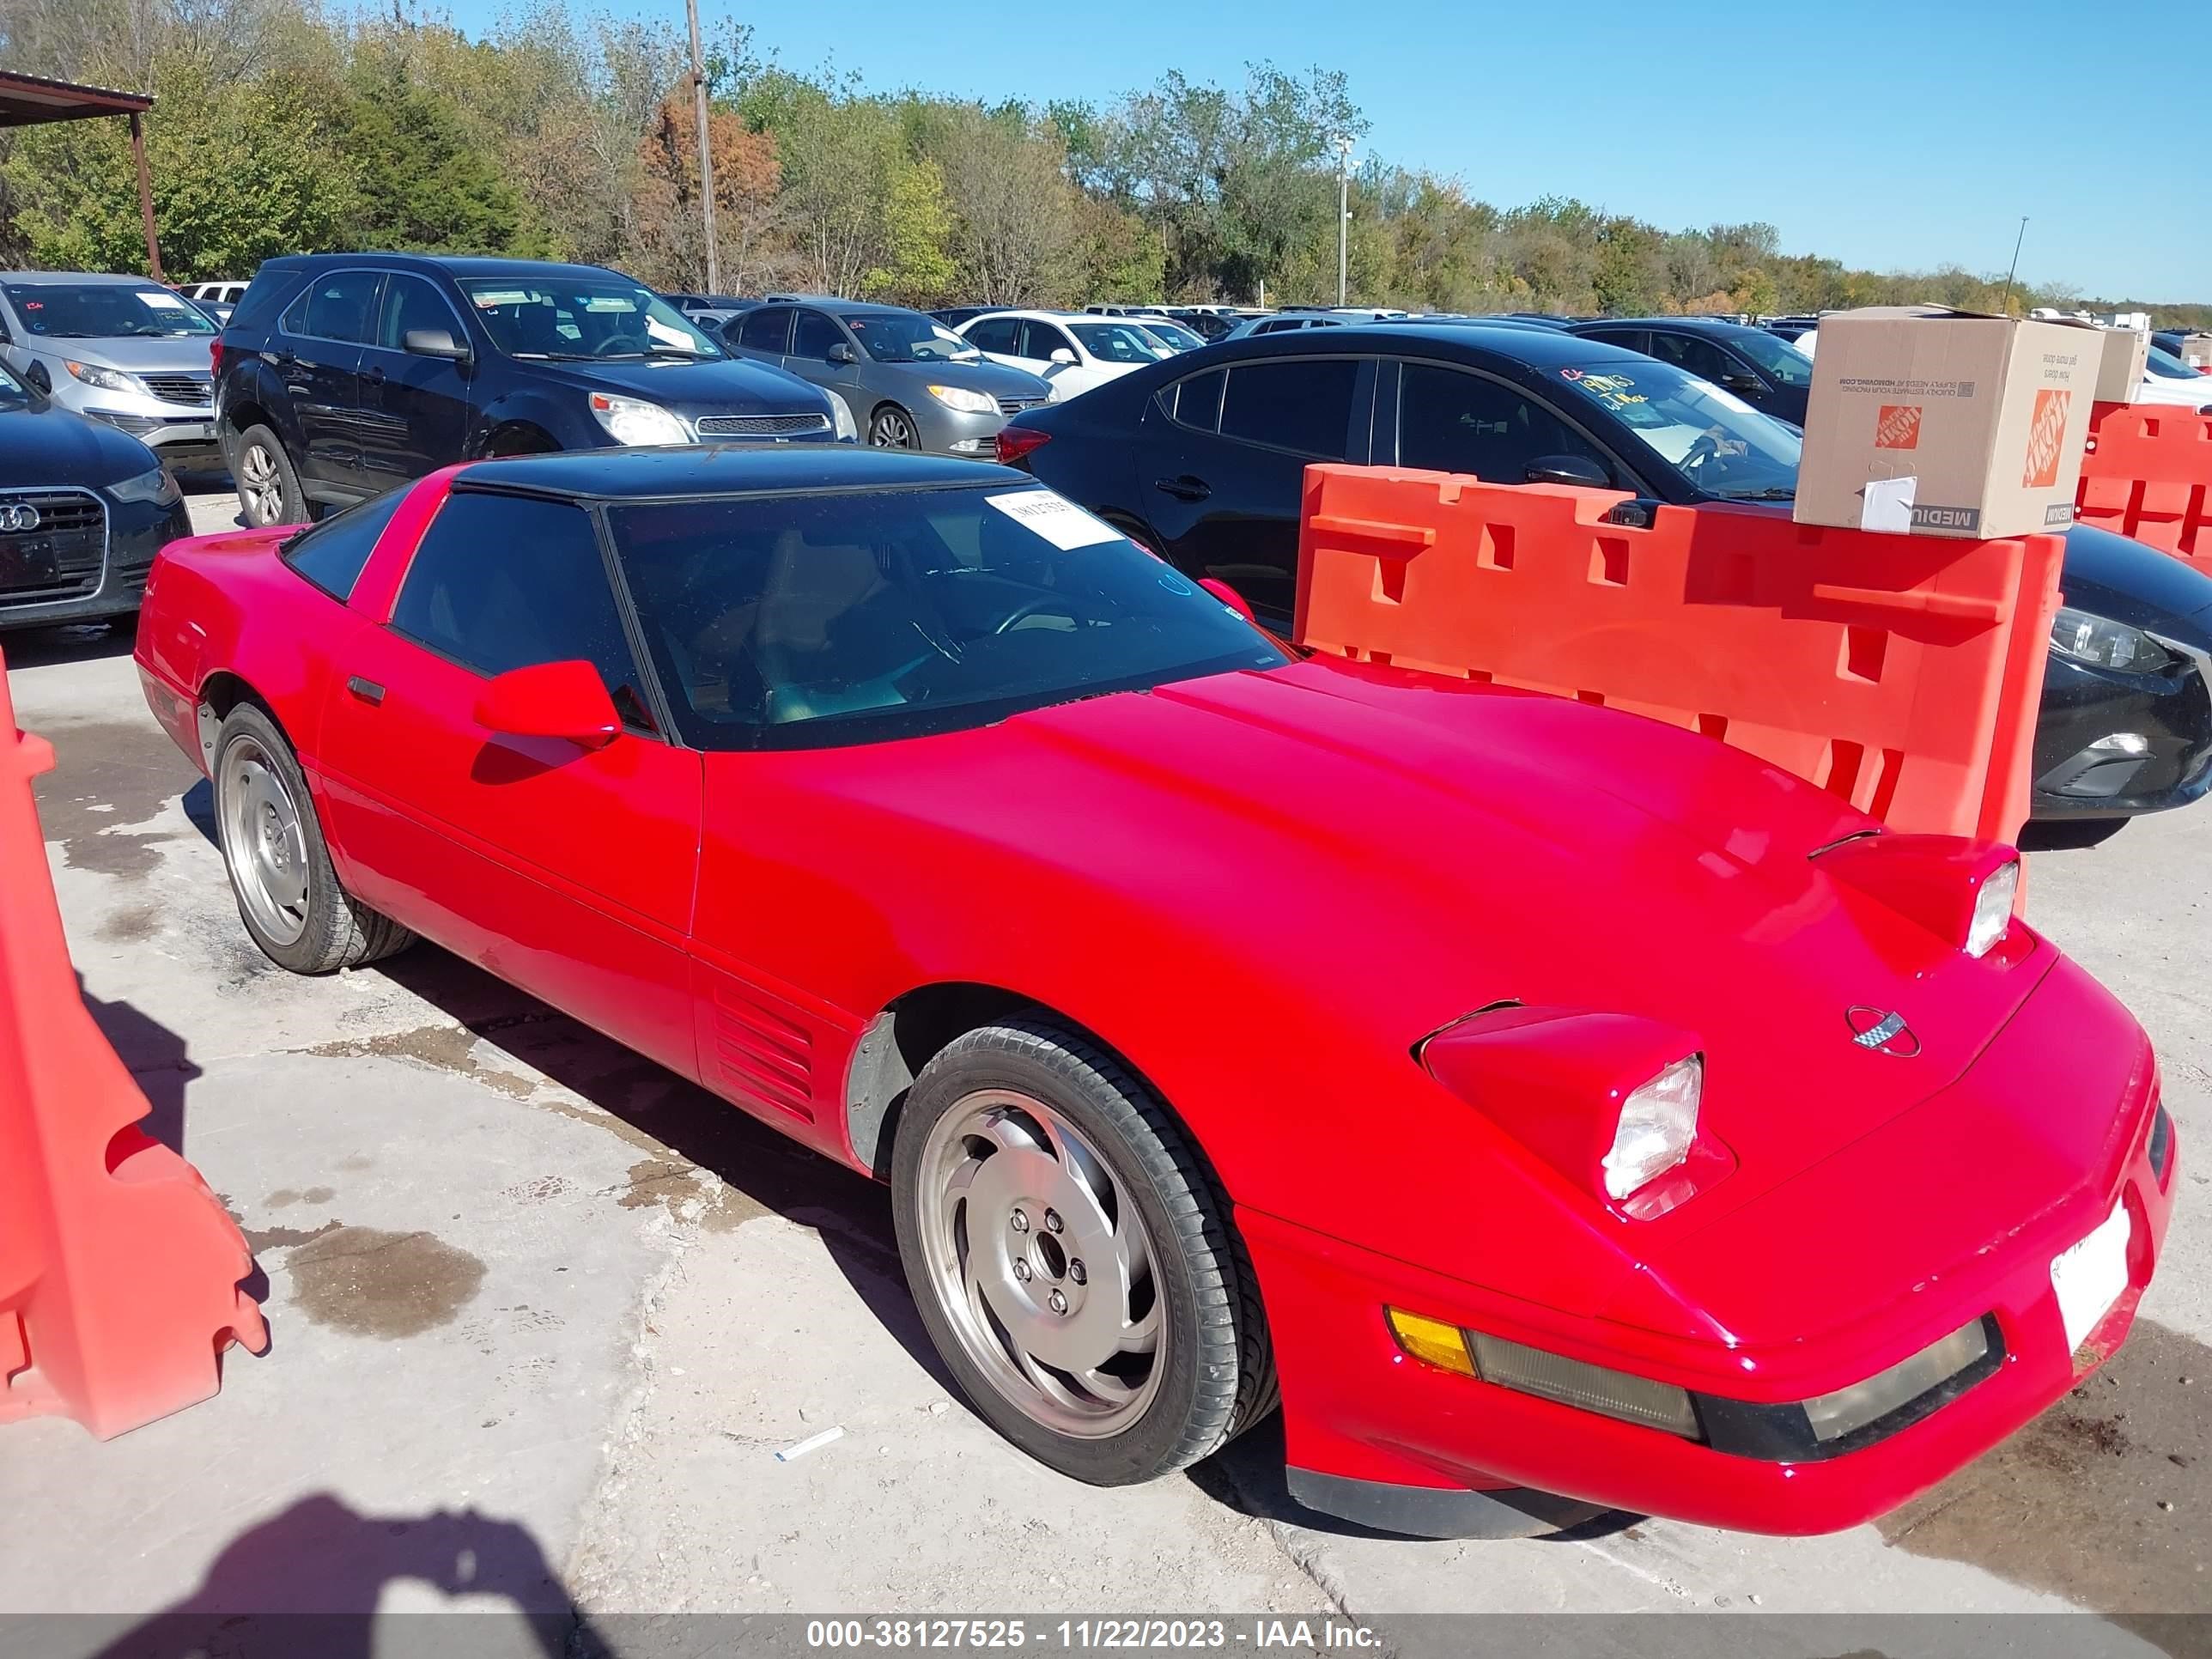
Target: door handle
[
  {"x": 373, "y": 375},
  {"x": 1184, "y": 488},
  {"x": 282, "y": 359},
  {"x": 367, "y": 690}
]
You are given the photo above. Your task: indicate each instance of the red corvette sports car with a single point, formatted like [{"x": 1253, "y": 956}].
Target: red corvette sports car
[{"x": 1541, "y": 1100}]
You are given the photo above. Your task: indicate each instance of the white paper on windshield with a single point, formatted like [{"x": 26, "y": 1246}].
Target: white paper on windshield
[
  {"x": 1887, "y": 505},
  {"x": 1060, "y": 521},
  {"x": 667, "y": 333},
  {"x": 160, "y": 301},
  {"x": 491, "y": 299}
]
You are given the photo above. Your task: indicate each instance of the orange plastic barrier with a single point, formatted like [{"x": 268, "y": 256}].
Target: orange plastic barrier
[
  {"x": 1901, "y": 672},
  {"x": 119, "y": 1270},
  {"x": 2148, "y": 473}
]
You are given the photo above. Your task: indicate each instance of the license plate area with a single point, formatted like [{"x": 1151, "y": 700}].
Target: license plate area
[{"x": 2090, "y": 1276}]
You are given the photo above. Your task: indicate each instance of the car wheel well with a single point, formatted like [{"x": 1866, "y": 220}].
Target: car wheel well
[
  {"x": 518, "y": 438},
  {"x": 912, "y": 1031},
  {"x": 220, "y": 692},
  {"x": 239, "y": 416}
]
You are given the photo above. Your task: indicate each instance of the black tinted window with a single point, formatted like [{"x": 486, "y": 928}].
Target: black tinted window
[
  {"x": 499, "y": 582},
  {"x": 410, "y": 303},
  {"x": 804, "y": 622},
  {"x": 332, "y": 553},
  {"x": 1628, "y": 340},
  {"x": 1699, "y": 357},
  {"x": 1043, "y": 339},
  {"x": 814, "y": 336},
  {"x": 1197, "y": 401},
  {"x": 1301, "y": 404},
  {"x": 1453, "y": 422},
  {"x": 765, "y": 330},
  {"x": 340, "y": 307},
  {"x": 997, "y": 334}
]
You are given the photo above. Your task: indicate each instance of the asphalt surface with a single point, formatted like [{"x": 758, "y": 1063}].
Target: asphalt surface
[{"x": 544, "y": 1314}]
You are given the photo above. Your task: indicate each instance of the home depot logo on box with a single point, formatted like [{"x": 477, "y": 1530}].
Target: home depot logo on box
[
  {"x": 2046, "y": 438},
  {"x": 1897, "y": 427}
]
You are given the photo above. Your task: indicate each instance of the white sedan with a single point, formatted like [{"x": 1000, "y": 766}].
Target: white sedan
[
  {"x": 2167, "y": 380},
  {"x": 1075, "y": 353}
]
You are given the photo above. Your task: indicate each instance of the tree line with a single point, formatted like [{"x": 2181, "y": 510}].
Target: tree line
[{"x": 281, "y": 128}]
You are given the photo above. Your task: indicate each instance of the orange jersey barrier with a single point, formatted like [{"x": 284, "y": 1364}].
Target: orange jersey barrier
[
  {"x": 1900, "y": 672},
  {"x": 2147, "y": 474},
  {"x": 119, "y": 1270}
]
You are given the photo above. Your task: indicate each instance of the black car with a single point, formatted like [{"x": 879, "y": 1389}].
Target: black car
[
  {"x": 1756, "y": 364},
  {"x": 1203, "y": 458},
  {"x": 953, "y": 316},
  {"x": 83, "y": 509},
  {"x": 340, "y": 374}
]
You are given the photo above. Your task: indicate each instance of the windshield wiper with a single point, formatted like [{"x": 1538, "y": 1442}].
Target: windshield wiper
[
  {"x": 1778, "y": 493},
  {"x": 679, "y": 351}
]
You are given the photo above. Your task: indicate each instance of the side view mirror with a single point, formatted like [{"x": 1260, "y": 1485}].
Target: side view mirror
[
  {"x": 1578, "y": 469},
  {"x": 1228, "y": 596},
  {"x": 843, "y": 353},
  {"x": 567, "y": 700},
  {"x": 1063, "y": 356},
  {"x": 433, "y": 342},
  {"x": 1742, "y": 379}
]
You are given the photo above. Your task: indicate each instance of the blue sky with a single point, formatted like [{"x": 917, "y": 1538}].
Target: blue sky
[{"x": 1888, "y": 136}]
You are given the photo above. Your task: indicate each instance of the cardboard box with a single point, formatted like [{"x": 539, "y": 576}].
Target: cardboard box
[
  {"x": 2126, "y": 360},
  {"x": 2197, "y": 349},
  {"x": 1936, "y": 422}
]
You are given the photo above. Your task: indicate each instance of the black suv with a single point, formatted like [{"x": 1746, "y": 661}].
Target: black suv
[{"x": 340, "y": 374}]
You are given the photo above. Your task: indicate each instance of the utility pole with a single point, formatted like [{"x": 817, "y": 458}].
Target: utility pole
[
  {"x": 1343, "y": 213},
  {"x": 2016, "y": 241},
  {"x": 706, "y": 155}
]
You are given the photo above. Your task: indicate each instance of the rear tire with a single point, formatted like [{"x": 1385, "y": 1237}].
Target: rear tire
[
  {"x": 1072, "y": 1259},
  {"x": 269, "y": 491},
  {"x": 289, "y": 896}
]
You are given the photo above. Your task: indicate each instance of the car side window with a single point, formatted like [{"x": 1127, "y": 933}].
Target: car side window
[
  {"x": 998, "y": 335},
  {"x": 1303, "y": 404},
  {"x": 766, "y": 329},
  {"x": 1196, "y": 402},
  {"x": 341, "y": 306},
  {"x": 1693, "y": 356},
  {"x": 814, "y": 336},
  {"x": 1453, "y": 422},
  {"x": 500, "y": 582},
  {"x": 411, "y": 303},
  {"x": 1042, "y": 339},
  {"x": 1628, "y": 340},
  {"x": 331, "y": 554}
]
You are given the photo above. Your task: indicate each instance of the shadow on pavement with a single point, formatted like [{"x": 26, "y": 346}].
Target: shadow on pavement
[
  {"x": 675, "y": 1125},
  {"x": 36, "y": 647},
  {"x": 159, "y": 1062},
  {"x": 311, "y": 1579}
]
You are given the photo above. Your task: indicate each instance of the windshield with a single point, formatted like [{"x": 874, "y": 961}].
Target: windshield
[
  {"x": 1775, "y": 355},
  {"x": 1712, "y": 439},
  {"x": 1173, "y": 334},
  {"x": 908, "y": 336},
  {"x": 1119, "y": 342},
  {"x": 2164, "y": 363},
  {"x": 815, "y": 621},
  {"x": 104, "y": 311},
  {"x": 603, "y": 318}
]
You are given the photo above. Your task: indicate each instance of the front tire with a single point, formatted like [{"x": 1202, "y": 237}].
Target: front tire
[
  {"x": 289, "y": 896},
  {"x": 269, "y": 491},
  {"x": 1072, "y": 1259},
  {"x": 892, "y": 428}
]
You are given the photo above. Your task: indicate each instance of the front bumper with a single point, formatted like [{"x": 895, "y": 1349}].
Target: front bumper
[
  {"x": 2111, "y": 744},
  {"x": 1375, "y": 1436},
  {"x": 137, "y": 530},
  {"x": 946, "y": 431}
]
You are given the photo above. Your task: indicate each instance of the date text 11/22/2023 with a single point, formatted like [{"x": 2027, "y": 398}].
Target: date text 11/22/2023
[{"x": 1083, "y": 1635}]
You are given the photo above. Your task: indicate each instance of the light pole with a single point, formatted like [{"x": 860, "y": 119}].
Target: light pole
[
  {"x": 706, "y": 158},
  {"x": 1343, "y": 212},
  {"x": 2016, "y": 241}
]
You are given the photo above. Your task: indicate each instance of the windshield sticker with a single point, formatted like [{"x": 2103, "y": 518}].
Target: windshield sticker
[
  {"x": 492, "y": 298},
  {"x": 609, "y": 302},
  {"x": 160, "y": 301},
  {"x": 1615, "y": 392},
  {"x": 1061, "y": 522}
]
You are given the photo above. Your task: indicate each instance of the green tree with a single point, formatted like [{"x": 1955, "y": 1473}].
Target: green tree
[
  {"x": 423, "y": 187},
  {"x": 915, "y": 268}
]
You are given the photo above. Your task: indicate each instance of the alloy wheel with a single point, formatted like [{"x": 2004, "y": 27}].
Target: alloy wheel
[
  {"x": 1043, "y": 1267},
  {"x": 262, "y": 841},
  {"x": 260, "y": 485}
]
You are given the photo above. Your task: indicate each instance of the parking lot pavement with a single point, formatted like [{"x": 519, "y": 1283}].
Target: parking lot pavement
[
  {"x": 536, "y": 1300},
  {"x": 212, "y": 504}
]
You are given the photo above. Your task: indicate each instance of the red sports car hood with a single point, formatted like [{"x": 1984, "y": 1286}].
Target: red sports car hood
[{"x": 1433, "y": 847}]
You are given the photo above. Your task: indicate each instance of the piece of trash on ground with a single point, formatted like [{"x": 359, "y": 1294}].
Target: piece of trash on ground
[{"x": 812, "y": 1443}]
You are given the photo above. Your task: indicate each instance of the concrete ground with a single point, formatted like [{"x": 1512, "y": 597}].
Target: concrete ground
[{"x": 544, "y": 1314}]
